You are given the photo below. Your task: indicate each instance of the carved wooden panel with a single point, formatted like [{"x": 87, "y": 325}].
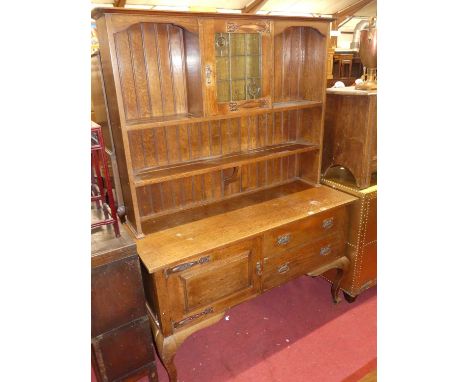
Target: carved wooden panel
[
  {"x": 226, "y": 275},
  {"x": 202, "y": 286},
  {"x": 259, "y": 26}
]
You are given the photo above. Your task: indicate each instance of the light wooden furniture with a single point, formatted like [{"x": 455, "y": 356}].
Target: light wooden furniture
[
  {"x": 122, "y": 348},
  {"x": 361, "y": 247},
  {"x": 345, "y": 63},
  {"x": 350, "y": 137},
  {"x": 217, "y": 123}
]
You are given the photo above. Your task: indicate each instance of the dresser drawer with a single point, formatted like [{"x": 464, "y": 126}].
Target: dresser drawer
[
  {"x": 279, "y": 268},
  {"x": 304, "y": 231}
]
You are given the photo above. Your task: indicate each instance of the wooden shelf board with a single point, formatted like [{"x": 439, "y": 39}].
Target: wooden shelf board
[
  {"x": 216, "y": 226},
  {"x": 163, "y": 120},
  {"x": 190, "y": 207},
  {"x": 236, "y": 202},
  {"x": 294, "y": 105},
  {"x": 142, "y": 124},
  {"x": 182, "y": 170}
]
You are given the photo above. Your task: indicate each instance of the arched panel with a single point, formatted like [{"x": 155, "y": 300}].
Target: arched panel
[
  {"x": 299, "y": 55},
  {"x": 152, "y": 63}
]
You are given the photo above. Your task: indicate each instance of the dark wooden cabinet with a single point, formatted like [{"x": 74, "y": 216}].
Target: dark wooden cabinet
[
  {"x": 361, "y": 247},
  {"x": 350, "y": 136},
  {"x": 217, "y": 123},
  {"x": 120, "y": 333}
]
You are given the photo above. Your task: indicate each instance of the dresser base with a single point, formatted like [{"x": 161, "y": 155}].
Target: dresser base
[{"x": 167, "y": 346}]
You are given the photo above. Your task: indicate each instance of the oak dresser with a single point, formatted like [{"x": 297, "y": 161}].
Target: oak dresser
[{"x": 217, "y": 123}]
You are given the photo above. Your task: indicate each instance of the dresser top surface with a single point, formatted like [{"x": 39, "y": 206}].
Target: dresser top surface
[
  {"x": 98, "y": 12},
  {"x": 341, "y": 179},
  {"x": 105, "y": 247},
  {"x": 351, "y": 90},
  {"x": 169, "y": 246}
]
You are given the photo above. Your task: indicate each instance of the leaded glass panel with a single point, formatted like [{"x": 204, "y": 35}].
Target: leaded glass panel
[{"x": 238, "y": 66}]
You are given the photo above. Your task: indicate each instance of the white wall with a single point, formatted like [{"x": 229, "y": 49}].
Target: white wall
[{"x": 344, "y": 41}]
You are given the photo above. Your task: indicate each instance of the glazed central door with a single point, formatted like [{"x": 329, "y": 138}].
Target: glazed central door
[{"x": 238, "y": 65}]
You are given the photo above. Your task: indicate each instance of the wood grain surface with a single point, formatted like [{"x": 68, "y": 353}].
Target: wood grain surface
[{"x": 166, "y": 247}]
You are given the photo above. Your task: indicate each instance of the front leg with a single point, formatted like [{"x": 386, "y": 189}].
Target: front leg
[
  {"x": 335, "y": 288},
  {"x": 167, "y": 354},
  {"x": 167, "y": 346},
  {"x": 341, "y": 265},
  {"x": 340, "y": 272}
]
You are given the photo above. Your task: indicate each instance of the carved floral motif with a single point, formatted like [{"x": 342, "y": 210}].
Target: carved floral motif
[{"x": 260, "y": 27}]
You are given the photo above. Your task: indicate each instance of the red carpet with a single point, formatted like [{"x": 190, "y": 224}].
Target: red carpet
[{"x": 293, "y": 333}]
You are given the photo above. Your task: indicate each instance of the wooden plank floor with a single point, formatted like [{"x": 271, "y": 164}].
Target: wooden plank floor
[{"x": 371, "y": 377}]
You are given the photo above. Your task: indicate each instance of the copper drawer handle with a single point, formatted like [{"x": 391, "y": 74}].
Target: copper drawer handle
[
  {"x": 283, "y": 239},
  {"x": 184, "y": 266},
  {"x": 283, "y": 268},
  {"x": 194, "y": 317},
  {"x": 324, "y": 251},
  {"x": 327, "y": 223}
]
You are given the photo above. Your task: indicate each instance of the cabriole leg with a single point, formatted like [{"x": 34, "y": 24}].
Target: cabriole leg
[
  {"x": 335, "y": 289},
  {"x": 167, "y": 357}
]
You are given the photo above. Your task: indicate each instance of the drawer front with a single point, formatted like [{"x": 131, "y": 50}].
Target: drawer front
[
  {"x": 304, "y": 231},
  {"x": 213, "y": 282},
  {"x": 282, "y": 267},
  {"x": 124, "y": 350},
  {"x": 117, "y": 295}
]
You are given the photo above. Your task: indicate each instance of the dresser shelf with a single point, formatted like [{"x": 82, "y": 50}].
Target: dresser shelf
[
  {"x": 295, "y": 105},
  {"x": 187, "y": 169},
  {"x": 175, "y": 120}
]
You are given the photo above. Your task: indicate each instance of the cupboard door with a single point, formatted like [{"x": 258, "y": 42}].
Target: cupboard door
[
  {"x": 237, "y": 64},
  {"x": 213, "y": 282}
]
